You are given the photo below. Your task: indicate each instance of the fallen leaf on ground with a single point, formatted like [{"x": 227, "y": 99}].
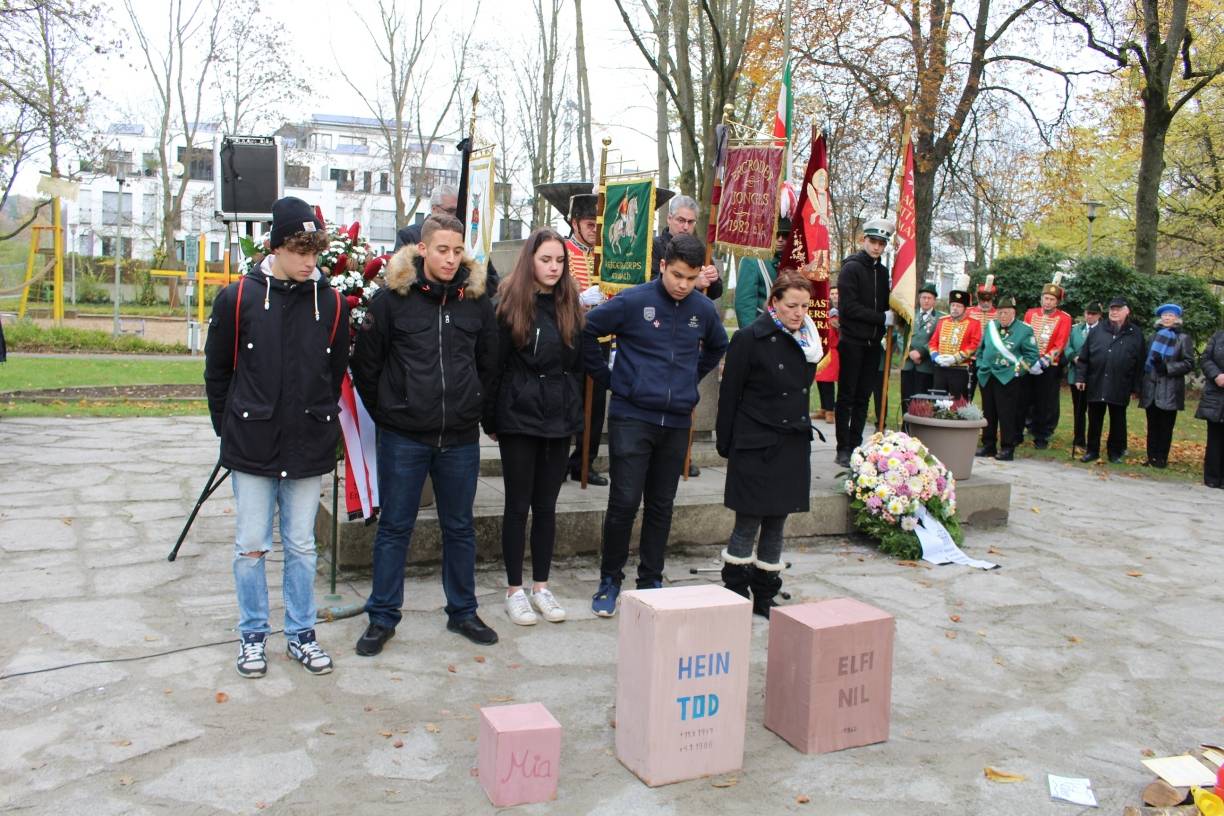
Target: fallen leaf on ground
[
  {"x": 261, "y": 805},
  {"x": 150, "y": 638},
  {"x": 328, "y": 732},
  {"x": 384, "y": 733},
  {"x": 1035, "y": 509},
  {"x": 950, "y": 635},
  {"x": 995, "y": 775},
  {"x": 431, "y": 728},
  {"x": 1148, "y": 752},
  {"x": 122, "y": 743},
  {"x": 998, "y": 661},
  {"x": 954, "y": 618},
  {"x": 68, "y": 521},
  {"x": 725, "y": 783},
  {"x": 368, "y": 708},
  {"x": 395, "y": 678},
  {"x": 1135, "y": 574},
  {"x": 1073, "y": 639},
  {"x": 167, "y": 691},
  {"x": 993, "y": 551},
  {"x": 981, "y": 633},
  {"x": 126, "y": 780},
  {"x": 221, "y": 697},
  {"x": 801, "y": 799},
  {"x": 515, "y": 666},
  {"x": 479, "y": 658},
  {"x": 399, "y": 743},
  {"x": 451, "y": 668},
  {"x": 913, "y": 564},
  {"x": 501, "y": 698}
]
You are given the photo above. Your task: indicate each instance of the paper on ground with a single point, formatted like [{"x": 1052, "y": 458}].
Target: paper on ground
[
  {"x": 1070, "y": 789},
  {"x": 938, "y": 546},
  {"x": 1181, "y": 771}
]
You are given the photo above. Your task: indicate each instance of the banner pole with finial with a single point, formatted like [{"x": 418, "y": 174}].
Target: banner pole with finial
[
  {"x": 589, "y": 390},
  {"x": 888, "y": 333}
]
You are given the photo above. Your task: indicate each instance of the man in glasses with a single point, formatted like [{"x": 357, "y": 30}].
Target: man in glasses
[{"x": 444, "y": 201}]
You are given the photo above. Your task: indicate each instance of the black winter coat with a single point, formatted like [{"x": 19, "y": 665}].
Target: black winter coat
[
  {"x": 763, "y": 427},
  {"x": 1211, "y": 405},
  {"x": 426, "y": 355},
  {"x": 539, "y": 386},
  {"x": 659, "y": 252},
  {"x": 1168, "y": 391},
  {"x": 862, "y": 291},
  {"x": 1111, "y": 363},
  {"x": 277, "y": 411}
]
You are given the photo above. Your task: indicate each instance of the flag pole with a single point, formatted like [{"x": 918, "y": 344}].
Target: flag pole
[
  {"x": 888, "y": 334},
  {"x": 596, "y": 259},
  {"x": 786, "y": 48},
  {"x": 465, "y": 149}
]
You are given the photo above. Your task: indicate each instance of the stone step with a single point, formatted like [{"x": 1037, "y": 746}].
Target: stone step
[{"x": 699, "y": 517}]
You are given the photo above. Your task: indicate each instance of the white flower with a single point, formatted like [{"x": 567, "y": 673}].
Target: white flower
[
  {"x": 897, "y": 506},
  {"x": 909, "y": 523},
  {"x": 848, "y": 486}
]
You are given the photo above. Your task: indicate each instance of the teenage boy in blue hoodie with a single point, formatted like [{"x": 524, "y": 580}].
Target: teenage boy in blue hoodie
[{"x": 668, "y": 337}]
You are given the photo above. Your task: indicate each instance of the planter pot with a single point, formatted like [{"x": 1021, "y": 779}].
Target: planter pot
[{"x": 952, "y": 441}]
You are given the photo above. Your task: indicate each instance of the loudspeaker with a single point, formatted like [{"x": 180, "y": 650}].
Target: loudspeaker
[{"x": 250, "y": 176}]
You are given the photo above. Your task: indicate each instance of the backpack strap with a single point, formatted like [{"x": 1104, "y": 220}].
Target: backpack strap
[
  {"x": 335, "y": 320},
  {"x": 237, "y": 316}
]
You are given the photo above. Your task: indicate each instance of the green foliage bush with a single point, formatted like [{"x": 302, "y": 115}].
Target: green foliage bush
[{"x": 25, "y": 335}]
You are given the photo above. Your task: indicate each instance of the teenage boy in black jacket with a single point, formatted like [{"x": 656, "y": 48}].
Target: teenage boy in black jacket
[
  {"x": 424, "y": 366},
  {"x": 667, "y": 338},
  {"x": 863, "y": 285},
  {"x": 277, "y": 349}
]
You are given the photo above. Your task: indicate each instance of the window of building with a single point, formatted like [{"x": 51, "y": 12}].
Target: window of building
[
  {"x": 110, "y": 209},
  {"x": 297, "y": 175},
  {"x": 150, "y": 162},
  {"x": 340, "y": 217},
  {"x": 384, "y": 183},
  {"x": 149, "y": 213},
  {"x": 214, "y": 251},
  {"x": 108, "y": 246},
  {"x": 382, "y": 225},
  {"x": 198, "y": 162},
  {"x": 343, "y": 179},
  {"x": 511, "y": 229},
  {"x": 84, "y": 206},
  {"x": 116, "y": 161},
  {"x": 351, "y": 140},
  {"x": 320, "y": 141},
  {"x": 367, "y": 181},
  {"x": 425, "y": 181}
]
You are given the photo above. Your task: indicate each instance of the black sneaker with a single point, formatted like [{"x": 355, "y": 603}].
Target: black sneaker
[
  {"x": 1005, "y": 455},
  {"x": 694, "y": 471},
  {"x": 1090, "y": 457},
  {"x": 252, "y": 661},
  {"x": 842, "y": 458},
  {"x": 1041, "y": 444},
  {"x": 371, "y": 641},
  {"x": 986, "y": 450},
  {"x": 1115, "y": 460},
  {"x": 474, "y": 629},
  {"x": 594, "y": 477},
  {"x": 306, "y": 650}
]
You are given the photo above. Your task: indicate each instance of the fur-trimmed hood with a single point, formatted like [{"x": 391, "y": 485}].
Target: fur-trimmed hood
[{"x": 405, "y": 268}]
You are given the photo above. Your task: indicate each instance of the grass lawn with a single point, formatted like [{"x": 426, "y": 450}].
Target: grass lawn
[
  {"x": 102, "y": 408},
  {"x": 26, "y": 335},
  {"x": 42, "y": 308},
  {"x": 34, "y": 373}
]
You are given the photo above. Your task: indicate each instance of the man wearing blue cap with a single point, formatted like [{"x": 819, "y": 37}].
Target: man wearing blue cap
[{"x": 1170, "y": 357}]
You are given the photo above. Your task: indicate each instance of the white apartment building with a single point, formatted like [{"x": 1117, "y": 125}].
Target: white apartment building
[{"x": 335, "y": 162}]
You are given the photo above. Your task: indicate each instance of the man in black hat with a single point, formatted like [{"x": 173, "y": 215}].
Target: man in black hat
[
  {"x": 1109, "y": 372},
  {"x": 954, "y": 344},
  {"x": 918, "y": 372},
  {"x": 1075, "y": 343}
]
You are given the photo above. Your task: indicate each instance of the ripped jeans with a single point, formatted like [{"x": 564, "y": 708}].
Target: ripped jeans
[{"x": 258, "y": 498}]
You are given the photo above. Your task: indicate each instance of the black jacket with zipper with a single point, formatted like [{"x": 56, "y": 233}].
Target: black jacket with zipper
[
  {"x": 863, "y": 286},
  {"x": 539, "y": 386},
  {"x": 427, "y": 353},
  {"x": 277, "y": 410}
]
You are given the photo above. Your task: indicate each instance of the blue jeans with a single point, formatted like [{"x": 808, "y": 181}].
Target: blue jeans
[
  {"x": 402, "y": 466},
  {"x": 258, "y": 498}
]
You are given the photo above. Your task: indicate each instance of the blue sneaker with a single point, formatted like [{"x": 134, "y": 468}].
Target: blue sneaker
[{"x": 603, "y": 603}]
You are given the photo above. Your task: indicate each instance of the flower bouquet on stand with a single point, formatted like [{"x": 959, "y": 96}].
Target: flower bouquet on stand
[{"x": 895, "y": 484}]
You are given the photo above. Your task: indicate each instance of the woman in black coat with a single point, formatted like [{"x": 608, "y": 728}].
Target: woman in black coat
[
  {"x": 1170, "y": 357},
  {"x": 1211, "y": 408},
  {"x": 764, "y": 430},
  {"x": 536, "y": 409}
]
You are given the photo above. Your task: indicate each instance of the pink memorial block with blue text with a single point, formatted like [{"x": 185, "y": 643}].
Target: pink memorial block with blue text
[
  {"x": 682, "y": 667},
  {"x": 828, "y": 681},
  {"x": 518, "y": 753}
]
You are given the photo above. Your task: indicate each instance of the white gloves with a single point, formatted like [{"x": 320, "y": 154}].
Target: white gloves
[
  {"x": 944, "y": 360},
  {"x": 889, "y": 317},
  {"x": 592, "y": 296},
  {"x": 1036, "y": 368}
]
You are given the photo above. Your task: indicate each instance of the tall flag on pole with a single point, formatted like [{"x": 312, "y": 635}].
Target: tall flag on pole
[
  {"x": 784, "y": 116},
  {"x": 807, "y": 248},
  {"x": 905, "y": 264}
]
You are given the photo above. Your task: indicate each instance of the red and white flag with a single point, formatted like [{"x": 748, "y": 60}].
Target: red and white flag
[
  {"x": 360, "y": 455},
  {"x": 905, "y": 263}
]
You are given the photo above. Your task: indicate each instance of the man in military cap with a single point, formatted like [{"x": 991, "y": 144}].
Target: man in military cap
[
  {"x": 983, "y": 312},
  {"x": 863, "y": 316},
  {"x": 918, "y": 372},
  {"x": 1075, "y": 344},
  {"x": 954, "y": 343},
  {"x": 1052, "y": 327},
  {"x": 1006, "y": 353}
]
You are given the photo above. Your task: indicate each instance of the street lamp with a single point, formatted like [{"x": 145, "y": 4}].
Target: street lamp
[
  {"x": 1092, "y": 206},
  {"x": 122, "y": 179}
]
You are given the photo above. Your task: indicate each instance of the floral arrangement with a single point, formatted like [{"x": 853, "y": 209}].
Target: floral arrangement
[
  {"x": 348, "y": 263},
  {"x": 944, "y": 409},
  {"x": 890, "y": 477}
]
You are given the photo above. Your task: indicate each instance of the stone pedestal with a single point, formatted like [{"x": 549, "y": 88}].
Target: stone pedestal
[
  {"x": 518, "y": 754},
  {"x": 682, "y": 682},
  {"x": 828, "y": 682}
]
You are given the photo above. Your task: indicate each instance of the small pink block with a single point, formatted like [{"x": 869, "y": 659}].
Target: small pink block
[
  {"x": 682, "y": 682},
  {"x": 518, "y": 754},
  {"x": 828, "y": 681}
]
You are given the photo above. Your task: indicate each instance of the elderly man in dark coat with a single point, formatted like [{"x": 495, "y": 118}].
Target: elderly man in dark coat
[{"x": 1110, "y": 372}]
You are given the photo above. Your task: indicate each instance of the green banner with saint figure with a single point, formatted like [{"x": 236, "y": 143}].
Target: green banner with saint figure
[{"x": 626, "y": 234}]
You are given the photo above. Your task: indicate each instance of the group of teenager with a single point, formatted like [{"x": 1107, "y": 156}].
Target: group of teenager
[{"x": 442, "y": 355}]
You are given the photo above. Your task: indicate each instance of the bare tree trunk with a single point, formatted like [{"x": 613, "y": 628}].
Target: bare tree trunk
[
  {"x": 662, "y": 120},
  {"x": 586, "y": 143},
  {"x": 1156, "y": 123}
]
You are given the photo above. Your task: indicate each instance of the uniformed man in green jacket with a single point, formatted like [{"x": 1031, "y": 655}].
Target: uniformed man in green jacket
[
  {"x": 1007, "y": 352},
  {"x": 755, "y": 277},
  {"x": 1075, "y": 343},
  {"x": 918, "y": 370}
]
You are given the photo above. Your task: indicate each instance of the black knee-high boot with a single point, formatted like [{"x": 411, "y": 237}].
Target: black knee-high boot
[
  {"x": 736, "y": 577},
  {"x": 766, "y": 582}
]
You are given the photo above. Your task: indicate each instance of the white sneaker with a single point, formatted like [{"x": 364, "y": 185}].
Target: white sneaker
[
  {"x": 547, "y": 605},
  {"x": 519, "y": 609}
]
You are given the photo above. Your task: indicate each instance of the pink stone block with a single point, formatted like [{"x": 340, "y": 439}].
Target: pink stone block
[
  {"x": 682, "y": 682},
  {"x": 518, "y": 753},
  {"x": 828, "y": 681}
]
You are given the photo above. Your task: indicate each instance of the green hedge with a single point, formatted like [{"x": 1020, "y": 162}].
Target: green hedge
[{"x": 24, "y": 335}]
